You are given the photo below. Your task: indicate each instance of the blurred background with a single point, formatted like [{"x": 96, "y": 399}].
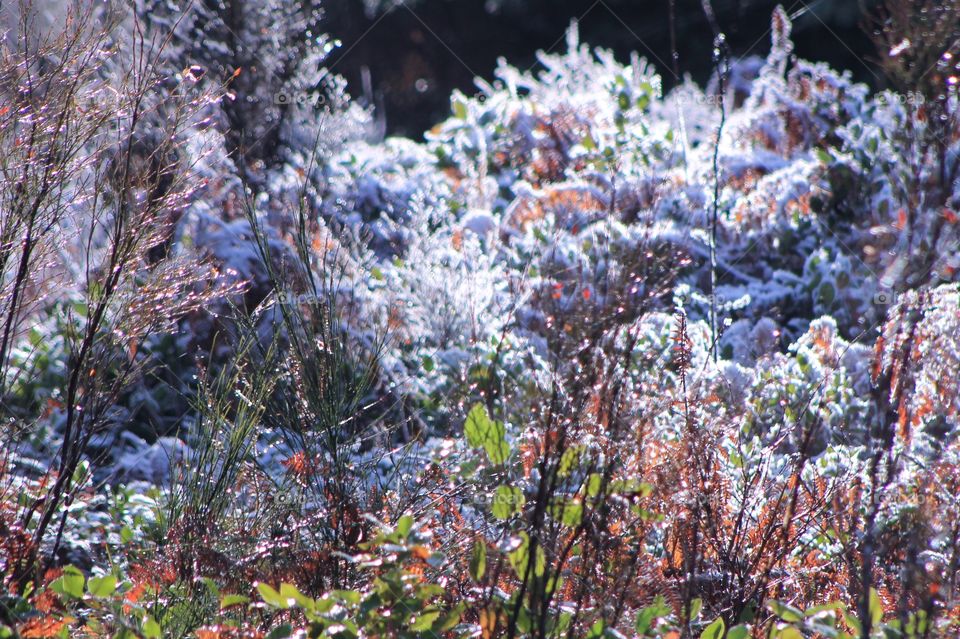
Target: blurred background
[{"x": 406, "y": 56}]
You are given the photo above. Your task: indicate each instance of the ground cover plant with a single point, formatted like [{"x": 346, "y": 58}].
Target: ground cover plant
[{"x": 591, "y": 359}]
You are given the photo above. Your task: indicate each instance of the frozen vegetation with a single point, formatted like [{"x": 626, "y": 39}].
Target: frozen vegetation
[{"x": 590, "y": 360}]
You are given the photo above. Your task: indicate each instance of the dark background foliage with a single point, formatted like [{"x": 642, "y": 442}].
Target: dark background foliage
[{"x": 416, "y": 53}]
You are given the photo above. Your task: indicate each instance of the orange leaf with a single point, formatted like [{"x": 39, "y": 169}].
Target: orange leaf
[
  {"x": 42, "y": 627},
  {"x": 46, "y": 600},
  {"x": 488, "y": 622},
  {"x": 420, "y": 552},
  {"x": 134, "y": 594},
  {"x": 901, "y": 220}
]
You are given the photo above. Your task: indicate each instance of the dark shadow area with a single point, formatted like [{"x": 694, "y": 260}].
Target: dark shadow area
[{"x": 415, "y": 54}]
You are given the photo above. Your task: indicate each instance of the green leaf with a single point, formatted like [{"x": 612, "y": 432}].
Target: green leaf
[
  {"x": 789, "y": 632},
  {"x": 715, "y": 630},
  {"x": 280, "y": 632},
  {"x": 293, "y": 596},
  {"x": 562, "y": 624},
  {"x": 594, "y": 482},
  {"x": 82, "y": 472},
  {"x": 785, "y": 611},
  {"x": 271, "y": 596},
  {"x": 524, "y": 622},
  {"x": 477, "y": 426},
  {"x": 150, "y": 628},
  {"x": 695, "y": 606},
  {"x": 349, "y": 596},
  {"x": 630, "y": 487},
  {"x": 875, "y": 608},
  {"x": 459, "y": 109},
  {"x": 102, "y": 586},
  {"x": 478, "y": 561},
  {"x": 483, "y": 432},
  {"x": 554, "y": 582},
  {"x": 506, "y": 501},
  {"x": 833, "y": 607},
  {"x": 567, "y": 511},
  {"x": 424, "y": 621},
  {"x": 569, "y": 460},
  {"x": 738, "y": 632},
  {"x": 69, "y": 584},
  {"x": 735, "y": 459},
  {"x": 94, "y": 291},
  {"x": 520, "y": 558},
  {"x": 853, "y": 622},
  {"x": 447, "y": 621},
  {"x": 828, "y": 631},
  {"x": 233, "y": 600},
  {"x": 596, "y": 631},
  {"x": 404, "y": 526},
  {"x": 498, "y": 450},
  {"x": 645, "y": 619},
  {"x": 211, "y": 586}
]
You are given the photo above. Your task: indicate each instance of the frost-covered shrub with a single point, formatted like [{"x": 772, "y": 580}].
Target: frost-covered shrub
[
  {"x": 270, "y": 55},
  {"x": 841, "y": 286},
  {"x": 587, "y": 197},
  {"x": 542, "y": 195},
  {"x": 543, "y": 270},
  {"x": 918, "y": 346},
  {"x": 819, "y": 386},
  {"x": 385, "y": 195}
]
